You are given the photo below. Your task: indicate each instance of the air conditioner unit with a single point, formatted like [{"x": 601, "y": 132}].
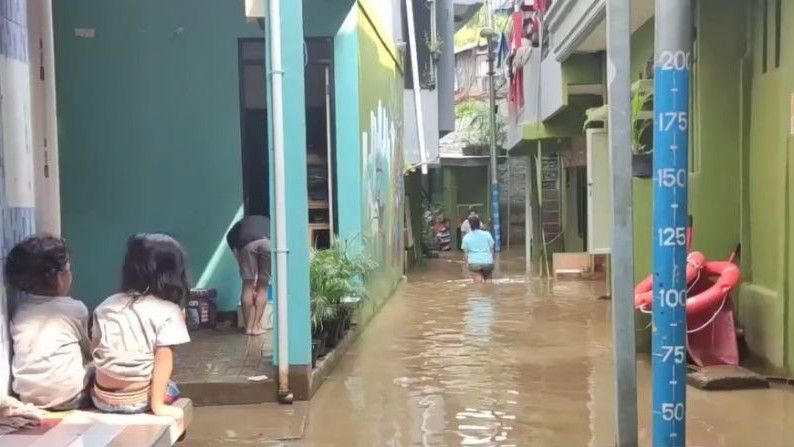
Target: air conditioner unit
[{"x": 255, "y": 9}]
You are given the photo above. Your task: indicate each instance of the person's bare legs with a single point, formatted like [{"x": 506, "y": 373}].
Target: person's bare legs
[
  {"x": 260, "y": 301},
  {"x": 247, "y": 300}
]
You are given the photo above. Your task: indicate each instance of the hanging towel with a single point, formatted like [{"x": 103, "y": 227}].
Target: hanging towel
[
  {"x": 516, "y": 96},
  {"x": 503, "y": 49}
]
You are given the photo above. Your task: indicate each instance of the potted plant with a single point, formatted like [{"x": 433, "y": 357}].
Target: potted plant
[
  {"x": 434, "y": 46},
  {"x": 335, "y": 275},
  {"x": 641, "y": 120}
]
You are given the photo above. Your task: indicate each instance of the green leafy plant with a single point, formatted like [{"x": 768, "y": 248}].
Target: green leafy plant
[
  {"x": 434, "y": 45},
  {"x": 639, "y": 103},
  {"x": 429, "y": 211},
  {"x": 477, "y": 133},
  {"x": 335, "y": 274},
  {"x": 428, "y": 81}
]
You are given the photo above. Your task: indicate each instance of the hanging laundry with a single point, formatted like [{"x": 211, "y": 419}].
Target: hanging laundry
[
  {"x": 516, "y": 95},
  {"x": 503, "y": 50}
]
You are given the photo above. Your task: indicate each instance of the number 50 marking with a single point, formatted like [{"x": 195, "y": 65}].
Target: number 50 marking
[{"x": 673, "y": 412}]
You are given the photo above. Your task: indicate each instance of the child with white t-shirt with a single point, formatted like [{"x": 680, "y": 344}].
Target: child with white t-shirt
[
  {"x": 49, "y": 329},
  {"x": 134, "y": 331}
]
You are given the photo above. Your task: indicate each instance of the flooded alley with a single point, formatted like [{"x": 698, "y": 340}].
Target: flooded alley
[{"x": 510, "y": 363}]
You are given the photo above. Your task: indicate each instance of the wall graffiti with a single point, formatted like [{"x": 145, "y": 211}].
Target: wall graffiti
[{"x": 381, "y": 102}]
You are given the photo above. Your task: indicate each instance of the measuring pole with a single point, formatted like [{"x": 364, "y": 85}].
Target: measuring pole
[
  {"x": 622, "y": 247},
  {"x": 496, "y": 225},
  {"x": 672, "y": 65}
]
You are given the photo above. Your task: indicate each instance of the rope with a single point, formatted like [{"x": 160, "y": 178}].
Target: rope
[{"x": 713, "y": 317}]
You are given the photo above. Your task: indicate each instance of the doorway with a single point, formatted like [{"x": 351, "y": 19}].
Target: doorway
[
  {"x": 253, "y": 127},
  {"x": 320, "y": 137}
]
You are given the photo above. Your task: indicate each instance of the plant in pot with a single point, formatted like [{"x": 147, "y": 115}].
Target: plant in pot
[
  {"x": 434, "y": 46},
  {"x": 641, "y": 147},
  {"x": 336, "y": 280}
]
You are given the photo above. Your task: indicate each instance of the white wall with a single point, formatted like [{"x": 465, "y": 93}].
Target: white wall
[{"x": 43, "y": 117}]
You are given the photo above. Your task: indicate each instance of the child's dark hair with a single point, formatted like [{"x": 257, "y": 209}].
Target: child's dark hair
[
  {"x": 33, "y": 265},
  {"x": 474, "y": 222},
  {"x": 155, "y": 265}
]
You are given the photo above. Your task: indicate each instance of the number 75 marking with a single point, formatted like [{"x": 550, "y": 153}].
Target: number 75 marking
[{"x": 676, "y": 352}]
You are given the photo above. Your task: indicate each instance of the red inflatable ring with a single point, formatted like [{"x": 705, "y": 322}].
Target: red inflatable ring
[
  {"x": 729, "y": 276},
  {"x": 643, "y": 293}
]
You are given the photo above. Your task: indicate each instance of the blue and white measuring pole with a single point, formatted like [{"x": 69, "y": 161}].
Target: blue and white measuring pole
[{"x": 673, "y": 60}]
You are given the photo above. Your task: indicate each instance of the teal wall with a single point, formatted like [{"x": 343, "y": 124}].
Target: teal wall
[
  {"x": 149, "y": 132},
  {"x": 348, "y": 138},
  {"x": 322, "y": 18},
  {"x": 297, "y": 204}
]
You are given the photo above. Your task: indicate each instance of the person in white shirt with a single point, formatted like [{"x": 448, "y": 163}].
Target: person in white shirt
[
  {"x": 49, "y": 330},
  {"x": 465, "y": 227}
]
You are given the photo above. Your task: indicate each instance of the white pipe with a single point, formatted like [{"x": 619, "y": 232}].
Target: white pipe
[
  {"x": 280, "y": 196},
  {"x": 420, "y": 119},
  {"x": 329, "y": 161}
]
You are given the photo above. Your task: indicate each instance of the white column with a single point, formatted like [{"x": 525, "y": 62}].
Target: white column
[{"x": 44, "y": 124}]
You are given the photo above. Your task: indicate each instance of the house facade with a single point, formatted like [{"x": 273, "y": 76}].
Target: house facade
[
  {"x": 740, "y": 141},
  {"x": 142, "y": 116}
]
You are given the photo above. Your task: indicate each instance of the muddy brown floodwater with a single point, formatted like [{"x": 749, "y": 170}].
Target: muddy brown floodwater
[{"x": 511, "y": 363}]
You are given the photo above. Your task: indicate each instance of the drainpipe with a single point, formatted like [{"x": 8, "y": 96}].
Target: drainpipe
[
  {"x": 420, "y": 119},
  {"x": 284, "y": 394}
]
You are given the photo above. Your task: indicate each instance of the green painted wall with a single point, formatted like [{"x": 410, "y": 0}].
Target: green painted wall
[
  {"x": 473, "y": 188},
  {"x": 765, "y": 302},
  {"x": 381, "y": 118},
  {"x": 641, "y": 51},
  {"x": 714, "y": 189},
  {"x": 583, "y": 69},
  {"x": 149, "y": 132},
  {"x": 573, "y": 241}
]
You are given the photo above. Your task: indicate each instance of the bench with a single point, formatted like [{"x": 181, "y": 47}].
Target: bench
[{"x": 90, "y": 428}]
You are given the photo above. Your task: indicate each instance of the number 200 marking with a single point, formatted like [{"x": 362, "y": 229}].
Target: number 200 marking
[{"x": 675, "y": 60}]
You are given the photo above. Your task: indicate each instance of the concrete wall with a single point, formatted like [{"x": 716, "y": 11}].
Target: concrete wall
[{"x": 149, "y": 132}]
